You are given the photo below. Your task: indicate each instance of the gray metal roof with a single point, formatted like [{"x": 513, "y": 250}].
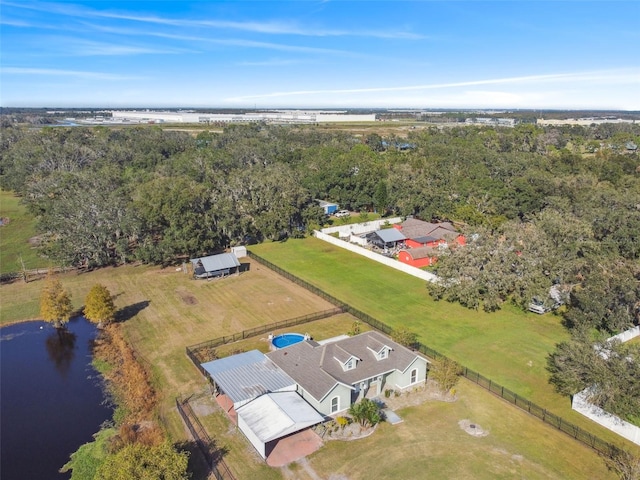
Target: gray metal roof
[
  {"x": 248, "y": 375},
  {"x": 389, "y": 235},
  {"x": 275, "y": 415},
  {"x": 213, "y": 263}
]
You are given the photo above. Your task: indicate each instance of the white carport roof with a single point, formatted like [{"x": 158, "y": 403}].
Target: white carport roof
[{"x": 275, "y": 415}]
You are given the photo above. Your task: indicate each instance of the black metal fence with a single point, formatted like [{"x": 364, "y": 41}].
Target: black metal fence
[
  {"x": 324, "y": 295},
  {"x": 205, "y": 351},
  {"x": 522, "y": 403},
  {"x": 205, "y": 444}
]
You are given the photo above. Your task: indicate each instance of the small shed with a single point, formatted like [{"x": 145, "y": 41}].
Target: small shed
[
  {"x": 418, "y": 257},
  {"x": 328, "y": 207},
  {"x": 215, "y": 265},
  {"x": 386, "y": 238},
  {"x": 239, "y": 251}
]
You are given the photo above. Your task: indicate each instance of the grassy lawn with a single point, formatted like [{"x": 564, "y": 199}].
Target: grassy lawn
[
  {"x": 165, "y": 311},
  {"x": 430, "y": 444},
  {"x": 15, "y": 235},
  {"x": 508, "y": 346}
]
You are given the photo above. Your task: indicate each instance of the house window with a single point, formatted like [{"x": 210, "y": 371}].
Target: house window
[
  {"x": 335, "y": 404},
  {"x": 414, "y": 375},
  {"x": 349, "y": 364},
  {"x": 384, "y": 353}
]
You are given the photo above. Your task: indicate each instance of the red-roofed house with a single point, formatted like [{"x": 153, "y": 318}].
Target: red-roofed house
[
  {"x": 423, "y": 239},
  {"x": 426, "y": 234}
]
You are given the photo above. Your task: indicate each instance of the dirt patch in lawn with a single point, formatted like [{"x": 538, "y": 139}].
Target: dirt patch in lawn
[
  {"x": 188, "y": 298},
  {"x": 472, "y": 428}
]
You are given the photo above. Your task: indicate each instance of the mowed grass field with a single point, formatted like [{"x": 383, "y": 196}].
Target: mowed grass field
[
  {"x": 15, "y": 235},
  {"x": 165, "y": 311},
  {"x": 509, "y": 346},
  {"x": 429, "y": 443}
]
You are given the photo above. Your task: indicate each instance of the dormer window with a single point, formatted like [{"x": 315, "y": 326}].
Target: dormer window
[
  {"x": 350, "y": 364},
  {"x": 380, "y": 351}
]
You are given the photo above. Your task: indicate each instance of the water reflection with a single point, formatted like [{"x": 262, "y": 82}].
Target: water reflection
[
  {"x": 61, "y": 345},
  {"x": 51, "y": 403}
]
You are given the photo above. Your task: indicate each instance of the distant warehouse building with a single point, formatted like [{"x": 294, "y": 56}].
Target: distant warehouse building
[{"x": 284, "y": 116}]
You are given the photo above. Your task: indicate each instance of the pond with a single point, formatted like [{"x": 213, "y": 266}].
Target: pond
[{"x": 52, "y": 398}]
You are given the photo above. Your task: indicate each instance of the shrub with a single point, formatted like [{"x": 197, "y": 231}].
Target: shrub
[
  {"x": 445, "y": 372},
  {"x": 366, "y": 412},
  {"x": 342, "y": 422}
]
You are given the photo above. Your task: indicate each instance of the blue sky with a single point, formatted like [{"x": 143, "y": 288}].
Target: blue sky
[{"x": 390, "y": 54}]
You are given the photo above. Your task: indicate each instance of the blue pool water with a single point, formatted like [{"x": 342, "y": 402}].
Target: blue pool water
[{"x": 287, "y": 339}]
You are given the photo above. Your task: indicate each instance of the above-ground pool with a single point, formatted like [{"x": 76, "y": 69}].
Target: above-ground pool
[{"x": 287, "y": 339}]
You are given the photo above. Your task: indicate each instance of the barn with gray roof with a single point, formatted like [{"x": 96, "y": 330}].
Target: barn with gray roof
[{"x": 215, "y": 265}]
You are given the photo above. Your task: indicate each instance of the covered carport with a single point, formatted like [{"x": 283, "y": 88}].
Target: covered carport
[
  {"x": 262, "y": 399},
  {"x": 274, "y": 416}
]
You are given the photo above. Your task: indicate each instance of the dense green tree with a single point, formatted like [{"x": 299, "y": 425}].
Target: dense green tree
[
  {"x": 143, "y": 462},
  {"x": 176, "y": 219},
  {"x": 608, "y": 298},
  {"x": 609, "y": 369}
]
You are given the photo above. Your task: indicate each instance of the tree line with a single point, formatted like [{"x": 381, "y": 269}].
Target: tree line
[{"x": 551, "y": 213}]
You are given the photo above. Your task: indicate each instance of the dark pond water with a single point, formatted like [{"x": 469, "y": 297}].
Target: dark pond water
[{"x": 51, "y": 398}]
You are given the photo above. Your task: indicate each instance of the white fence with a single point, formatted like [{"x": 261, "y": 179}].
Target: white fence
[
  {"x": 580, "y": 402},
  {"x": 390, "y": 262},
  {"x": 360, "y": 228},
  {"x": 626, "y": 335}
]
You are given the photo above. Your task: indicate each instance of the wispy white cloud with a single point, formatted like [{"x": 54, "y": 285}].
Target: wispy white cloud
[
  {"x": 231, "y": 42},
  {"x": 83, "y": 48},
  {"x": 15, "y": 23},
  {"x": 611, "y": 76},
  {"x": 265, "y": 27},
  {"x": 66, "y": 73},
  {"x": 272, "y": 63}
]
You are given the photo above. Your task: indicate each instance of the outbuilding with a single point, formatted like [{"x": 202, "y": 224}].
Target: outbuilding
[
  {"x": 386, "y": 238},
  {"x": 239, "y": 251},
  {"x": 215, "y": 265},
  {"x": 328, "y": 207},
  {"x": 418, "y": 257}
]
